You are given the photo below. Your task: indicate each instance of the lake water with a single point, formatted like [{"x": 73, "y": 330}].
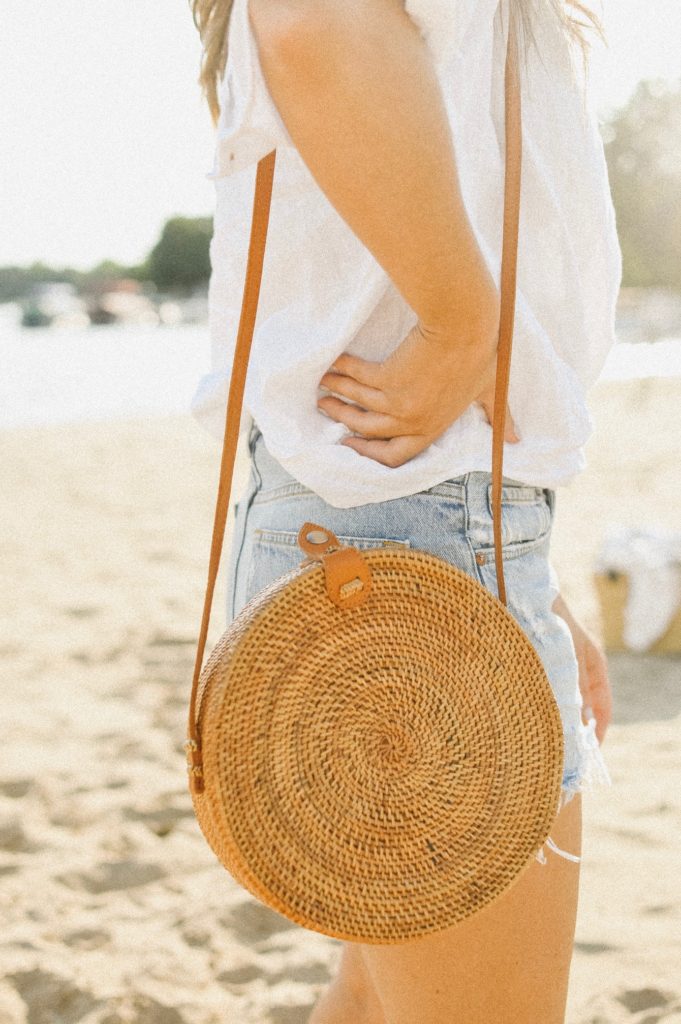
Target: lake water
[{"x": 53, "y": 375}]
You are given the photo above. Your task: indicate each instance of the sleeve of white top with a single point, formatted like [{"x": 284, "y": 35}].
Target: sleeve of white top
[
  {"x": 249, "y": 125},
  {"x": 443, "y": 23}
]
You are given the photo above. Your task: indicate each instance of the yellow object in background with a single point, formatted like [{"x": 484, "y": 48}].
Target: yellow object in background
[{"x": 612, "y": 588}]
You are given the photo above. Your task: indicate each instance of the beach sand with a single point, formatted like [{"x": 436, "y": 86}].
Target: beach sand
[{"x": 114, "y": 908}]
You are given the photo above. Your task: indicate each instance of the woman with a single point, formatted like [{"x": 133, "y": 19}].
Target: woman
[{"x": 370, "y": 390}]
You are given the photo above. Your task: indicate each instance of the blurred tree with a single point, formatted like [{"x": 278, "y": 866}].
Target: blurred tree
[
  {"x": 180, "y": 260},
  {"x": 16, "y": 282},
  {"x": 19, "y": 282},
  {"x": 643, "y": 150}
]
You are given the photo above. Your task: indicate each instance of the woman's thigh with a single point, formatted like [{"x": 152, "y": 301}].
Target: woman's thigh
[{"x": 509, "y": 962}]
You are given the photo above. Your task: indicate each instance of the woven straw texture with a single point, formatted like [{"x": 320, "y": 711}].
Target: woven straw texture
[{"x": 382, "y": 772}]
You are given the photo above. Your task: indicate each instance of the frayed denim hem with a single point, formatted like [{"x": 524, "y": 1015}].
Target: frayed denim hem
[{"x": 582, "y": 747}]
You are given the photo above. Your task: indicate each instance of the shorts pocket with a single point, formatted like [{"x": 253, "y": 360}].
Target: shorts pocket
[
  {"x": 275, "y": 552},
  {"x": 526, "y": 521}
]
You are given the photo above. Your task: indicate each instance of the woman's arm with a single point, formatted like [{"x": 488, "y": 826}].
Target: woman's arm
[{"x": 355, "y": 85}]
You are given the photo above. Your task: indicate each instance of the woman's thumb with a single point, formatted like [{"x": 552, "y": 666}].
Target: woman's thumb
[{"x": 510, "y": 433}]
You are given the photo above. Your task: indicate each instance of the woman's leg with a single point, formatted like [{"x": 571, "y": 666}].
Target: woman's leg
[
  {"x": 351, "y": 997},
  {"x": 509, "y": 962}
]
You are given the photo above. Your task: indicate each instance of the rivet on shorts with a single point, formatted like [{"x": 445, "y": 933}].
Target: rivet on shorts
[{"x": 480, "y": 558}]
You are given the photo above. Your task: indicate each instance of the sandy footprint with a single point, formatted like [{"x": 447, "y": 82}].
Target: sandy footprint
[
  {"x": 113, "y": 875},
  {"x": 141, "y": 1009},
  {"x": 289, "y": 1014},
  {"x": 251, "y": 922},
  {"x": 49, "y": 997},
  {"x": 638, "y": 1000},
  {"x": 86, "y": 938}
]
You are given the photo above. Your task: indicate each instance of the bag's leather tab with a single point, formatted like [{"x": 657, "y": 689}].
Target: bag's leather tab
[
  {"x": 316, "y": 540},
  {"x": 347, "y": 576},
  {"x": 346, "y": 572}
]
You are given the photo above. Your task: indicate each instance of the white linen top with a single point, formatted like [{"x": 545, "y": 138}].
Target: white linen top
[{"x": 323, "y": 292}]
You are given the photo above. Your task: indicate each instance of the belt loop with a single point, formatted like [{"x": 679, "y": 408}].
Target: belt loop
[
  {"x": 253, "y": 435},
  {"x": 551, "y": 498}
]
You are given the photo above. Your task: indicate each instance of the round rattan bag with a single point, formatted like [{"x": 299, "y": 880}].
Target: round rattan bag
[{"x": 381, "y": 747}]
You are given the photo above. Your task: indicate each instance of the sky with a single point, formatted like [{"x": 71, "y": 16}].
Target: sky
[{"x": 104, "y": 133}]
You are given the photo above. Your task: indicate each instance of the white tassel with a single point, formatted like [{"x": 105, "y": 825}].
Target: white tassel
[
  {"x": 562, "y": 853},
  {"x": 541, "y": 856},
  {"x": 593, "y": 771}
]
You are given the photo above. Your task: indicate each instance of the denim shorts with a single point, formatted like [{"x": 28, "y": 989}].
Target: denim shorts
[{"x": 453, "y": 520}]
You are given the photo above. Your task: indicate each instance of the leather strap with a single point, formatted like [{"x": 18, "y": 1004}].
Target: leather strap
[
  {"x": 256, "y": 252},
  {"x": 509, "y": 261}
]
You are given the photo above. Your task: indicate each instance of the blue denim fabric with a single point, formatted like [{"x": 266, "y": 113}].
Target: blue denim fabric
[{"x": 453, "y": 520}]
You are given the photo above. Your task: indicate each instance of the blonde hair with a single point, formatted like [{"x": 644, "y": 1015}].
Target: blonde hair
[
  {"x": 211, "y": 18},
  {"x": 573, "y": 17}
]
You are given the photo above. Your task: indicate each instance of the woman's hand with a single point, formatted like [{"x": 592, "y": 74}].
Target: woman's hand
[
  {"x": 594, "y": 683},
  {"x": 405, "y": 402}
]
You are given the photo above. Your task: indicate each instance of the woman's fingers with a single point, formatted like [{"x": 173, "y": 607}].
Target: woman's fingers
[
  {"x": 486, "y": 400},
  {"x": 392, "y": 452},
  {"x": 597, "y": 691},
  {"x": 366, "y": 396},
  {"x": 364, "y": 421},
  {"x": 370, "y": 416},
  {"x": 400, "y": 405},
  {"x": 363, "y": 370},
  {"x": 510, "y": 432}
]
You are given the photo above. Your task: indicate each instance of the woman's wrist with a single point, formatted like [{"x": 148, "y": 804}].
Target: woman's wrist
[
  {"x": 472, "y": 329},
  {"x": 469, "y": 316}
]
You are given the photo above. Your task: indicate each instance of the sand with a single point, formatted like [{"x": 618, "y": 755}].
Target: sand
[{"x": 113, "y": 908}]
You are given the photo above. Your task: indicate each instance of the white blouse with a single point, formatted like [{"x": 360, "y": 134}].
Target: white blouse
[{"x": 323, "y": 292}]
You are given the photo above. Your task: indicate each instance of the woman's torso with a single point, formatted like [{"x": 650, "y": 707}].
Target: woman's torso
[{"x": 323, "y": 292}]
